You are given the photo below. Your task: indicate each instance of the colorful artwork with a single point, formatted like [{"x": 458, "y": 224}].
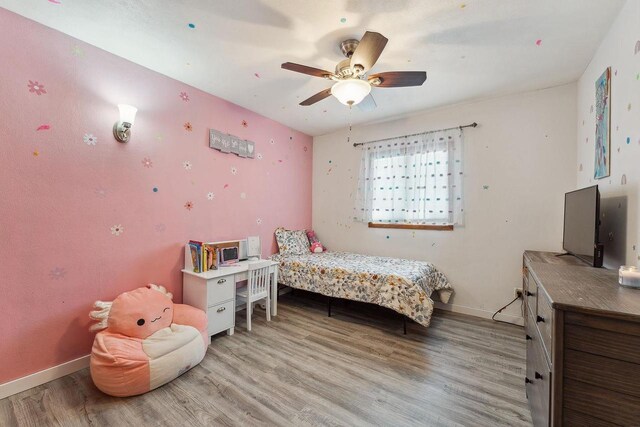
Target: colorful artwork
[{"x": 603, "y": 125}]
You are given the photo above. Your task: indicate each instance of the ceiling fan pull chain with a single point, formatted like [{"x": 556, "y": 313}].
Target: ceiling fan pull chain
[{"x": 349, "y": 136}]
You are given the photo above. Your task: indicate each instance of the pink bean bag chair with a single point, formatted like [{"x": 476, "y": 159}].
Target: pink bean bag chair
[{"x": 145, "y": 341}]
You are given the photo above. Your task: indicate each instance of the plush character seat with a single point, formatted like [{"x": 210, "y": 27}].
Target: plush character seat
[{"x": 145, "y": 341}]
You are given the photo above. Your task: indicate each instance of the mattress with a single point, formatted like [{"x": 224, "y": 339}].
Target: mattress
[{"x": 403, "y": 285}]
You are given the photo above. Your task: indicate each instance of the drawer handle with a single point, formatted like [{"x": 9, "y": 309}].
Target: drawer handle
[
  {"x": 527, "y": 381},
  {"x": 531, "y": 294},
  {"x": 221, "y": 281},
  {"x": 540, "y": 319},
  {"x": 538, "y": 375},
  {"x": 528, "y": 337},
  {"x": 221, "y": 309}
]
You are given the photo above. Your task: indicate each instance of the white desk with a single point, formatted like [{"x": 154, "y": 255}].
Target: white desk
[{"x": 214, "y": 292}]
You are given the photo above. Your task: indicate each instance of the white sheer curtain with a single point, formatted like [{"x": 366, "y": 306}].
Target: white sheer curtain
[{"x": 412, "y": 179}]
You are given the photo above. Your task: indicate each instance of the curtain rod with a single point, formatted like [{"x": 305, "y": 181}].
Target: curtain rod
[{"x": 472, "y": 125}]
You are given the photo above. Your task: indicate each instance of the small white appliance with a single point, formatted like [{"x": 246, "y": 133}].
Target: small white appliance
[{"x": 254, "y": 250}]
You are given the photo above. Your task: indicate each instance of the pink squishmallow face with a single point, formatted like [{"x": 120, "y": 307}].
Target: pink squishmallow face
[
  {"x": 141, "y": 312},
  {"x": 316, "y": 246}
]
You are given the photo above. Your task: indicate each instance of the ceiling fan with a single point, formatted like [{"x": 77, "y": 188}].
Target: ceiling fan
[{"x": 352, "y": 84}]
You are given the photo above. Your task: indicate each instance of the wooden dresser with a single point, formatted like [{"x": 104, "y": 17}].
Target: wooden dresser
[{"x": 583, "y": 343}]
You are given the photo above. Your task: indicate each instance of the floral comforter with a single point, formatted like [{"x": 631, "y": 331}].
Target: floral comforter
[{"x": 399, "y": 284}]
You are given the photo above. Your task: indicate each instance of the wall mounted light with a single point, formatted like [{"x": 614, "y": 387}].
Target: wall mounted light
[{"x": 122, "y": 128}]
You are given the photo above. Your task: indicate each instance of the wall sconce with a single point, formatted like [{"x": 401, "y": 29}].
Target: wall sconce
[{"x": 122, "y": 128}]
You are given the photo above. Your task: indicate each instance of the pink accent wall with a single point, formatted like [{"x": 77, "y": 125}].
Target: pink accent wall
[{"x": 60, "y": 195}]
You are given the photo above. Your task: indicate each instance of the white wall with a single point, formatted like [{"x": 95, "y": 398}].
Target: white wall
[
  {"x": 523, "y": 150},
  {"x": 617, "y": 51}
]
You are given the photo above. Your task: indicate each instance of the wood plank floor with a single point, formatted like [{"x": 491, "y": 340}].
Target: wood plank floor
[{"x": 303, "y": 368}]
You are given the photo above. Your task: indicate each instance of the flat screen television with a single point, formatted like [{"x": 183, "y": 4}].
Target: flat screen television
[{"x": 581, "y": 224}]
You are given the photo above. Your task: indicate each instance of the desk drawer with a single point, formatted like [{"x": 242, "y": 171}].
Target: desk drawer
[
  {"x": 220, "y": 317},
  {"x": 220, "y": 289}
]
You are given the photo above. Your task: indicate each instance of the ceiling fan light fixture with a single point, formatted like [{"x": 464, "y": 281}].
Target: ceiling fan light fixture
[{"x": 351, "y": 91}]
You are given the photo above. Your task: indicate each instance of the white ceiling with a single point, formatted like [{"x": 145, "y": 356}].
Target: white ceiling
[{"x": 484, "y": 49}]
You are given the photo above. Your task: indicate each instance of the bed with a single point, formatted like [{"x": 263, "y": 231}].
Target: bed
[{"x": 402, "y": 285}]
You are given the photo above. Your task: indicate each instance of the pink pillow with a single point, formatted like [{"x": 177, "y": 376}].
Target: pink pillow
[{"x": 316, "y": 246}]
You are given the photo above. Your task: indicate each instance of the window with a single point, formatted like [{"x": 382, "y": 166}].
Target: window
[{"x": 414, "y": 180}]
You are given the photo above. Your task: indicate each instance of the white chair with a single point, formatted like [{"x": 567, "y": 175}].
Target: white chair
[{"x": 258, "y": 286}]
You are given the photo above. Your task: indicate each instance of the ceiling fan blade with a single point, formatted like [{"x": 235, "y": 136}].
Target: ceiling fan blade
[
  {"x": 398, "y": 78},
  {"x": 368, "y": 51},
  {"x": 367, "y": 104},
  {"x": 317, "y": 97},
  {"x": 298, "y": 68}
]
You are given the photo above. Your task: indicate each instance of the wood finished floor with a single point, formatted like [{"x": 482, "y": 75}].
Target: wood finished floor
[{"x": 303, "y": 368}]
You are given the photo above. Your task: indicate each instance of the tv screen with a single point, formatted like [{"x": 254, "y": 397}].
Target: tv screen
[{"x": 581, "y": 220}]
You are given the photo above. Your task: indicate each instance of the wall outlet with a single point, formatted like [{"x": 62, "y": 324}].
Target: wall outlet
[{"x": 517, "y": 293}]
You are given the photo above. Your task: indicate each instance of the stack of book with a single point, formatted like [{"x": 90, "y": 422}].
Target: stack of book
[{"x": 204, "y": 256}]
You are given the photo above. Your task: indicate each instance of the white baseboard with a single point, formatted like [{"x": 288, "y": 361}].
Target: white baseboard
[
  {"x": 516, "y": 320},
  {"x": 39, "y": 378}
]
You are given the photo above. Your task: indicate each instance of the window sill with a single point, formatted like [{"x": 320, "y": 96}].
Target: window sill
[{"x": 411, "y": 226}]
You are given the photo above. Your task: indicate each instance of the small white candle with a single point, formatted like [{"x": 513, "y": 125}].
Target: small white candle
[{"x": 629, "y": 276}]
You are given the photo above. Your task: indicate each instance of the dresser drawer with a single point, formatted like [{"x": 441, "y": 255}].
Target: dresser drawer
[
  {"x": 597, "y": 402},
  {"x": 220, "y": 317},
  {"x": 544, "y": 320},
  {"x": 220, "y": 289},
  {"x": 538, "y": 381},
  {"x": 530, "y": 291},
  {"x": 604, "y": 337}
]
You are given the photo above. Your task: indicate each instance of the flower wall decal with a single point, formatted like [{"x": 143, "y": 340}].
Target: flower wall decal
[
  {"x": 243, "y": 195},
  {"x": 101, "y": 192},
  {"x": 57, "y": 273},
  {"x": 147, "y": 163},
  {"x": 245, "y": 124},
  {"x": 210, "y": 195},
  {"x": 259, "y": 156},
  {"x": 117, "y": 230},
  {"x": 89, "y": 139},
  {"x": 234, "y": 170},
  {"x": 187, "y": 165},
  {"x": 272, "y": 141},
  {"x": 259, "y": 221},
  {"x": 184, "y": 96},
  {"x": 35, "y": 87},
  {"x": 76, "y": 51},
  {"x": 188, "y": 127},
  {"x": 188, "y": 206}
]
